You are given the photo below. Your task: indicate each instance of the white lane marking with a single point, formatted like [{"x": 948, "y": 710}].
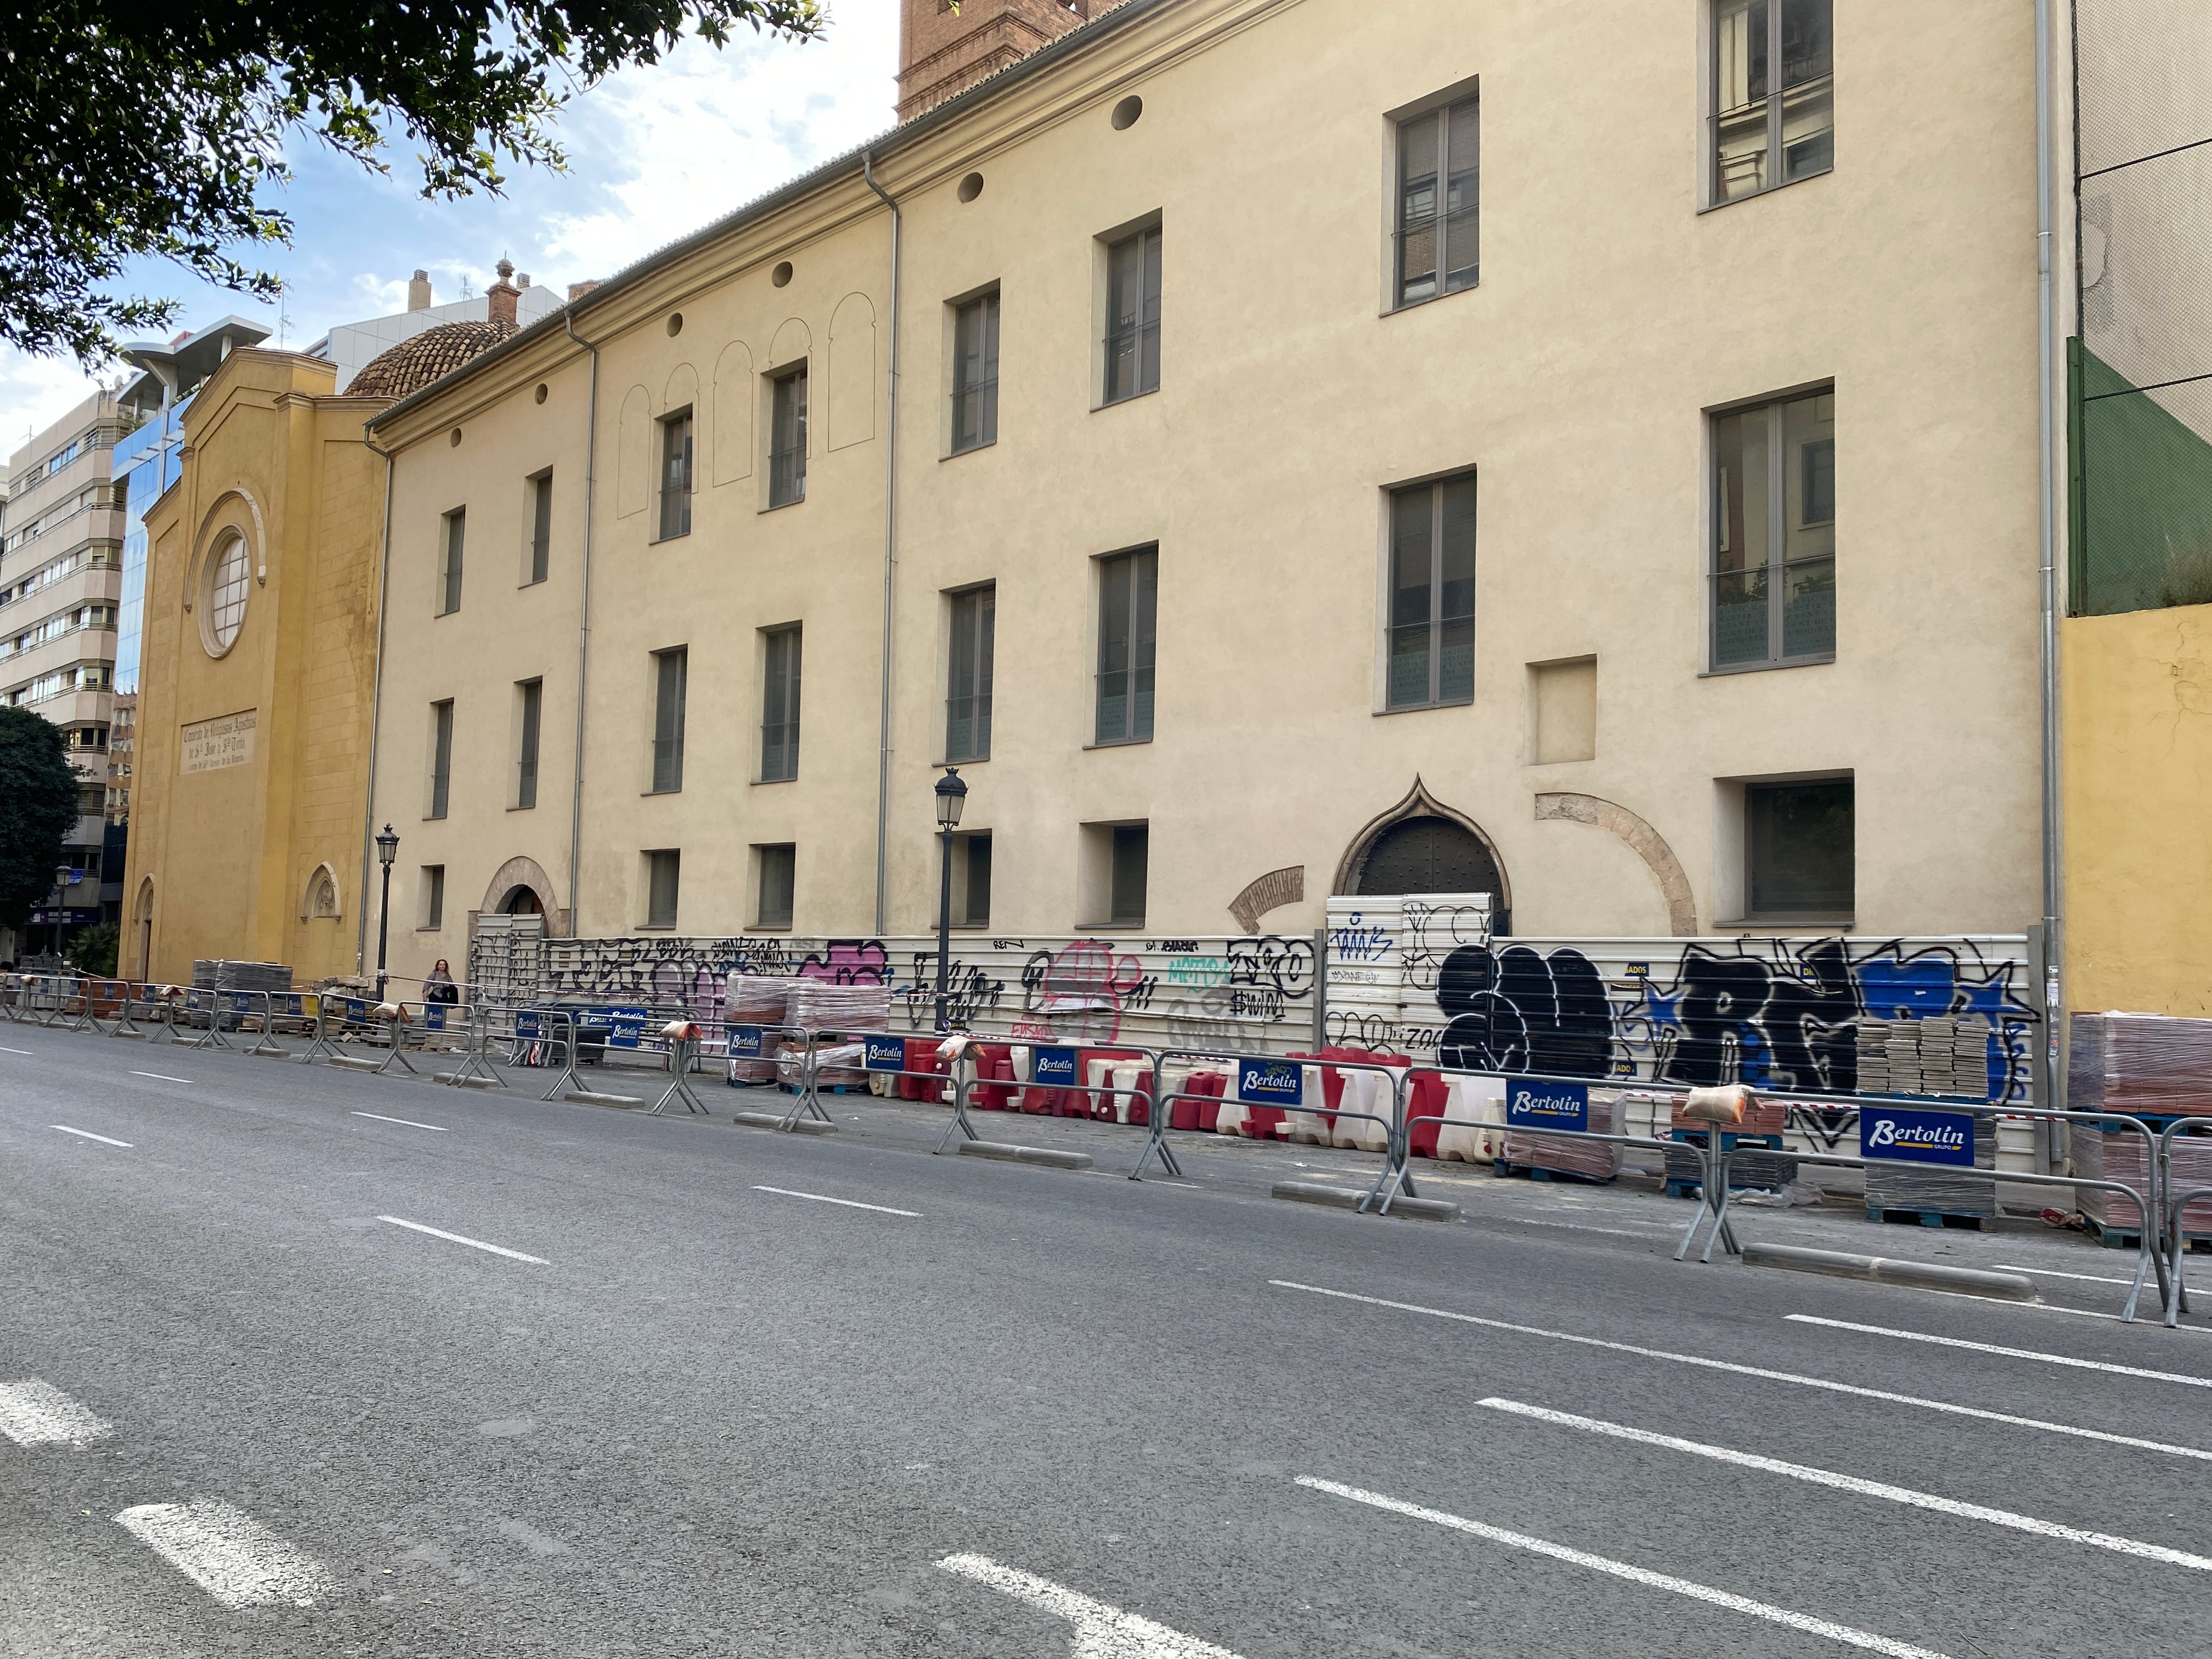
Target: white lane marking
[
  {"x": 1719, "y": 1598},
  {"x": 1851, "y": 1483},
  {"x": 473, "y": 1244},
  {"x": 163, "y": 1075},
  {"x": 1102, "y": 1630},
  {"x": 409, "y": 1122},
  {"x": 227, "y": 1553},
  {"x": 1764, "y": 1375},
  {"x": 2052, "y": 1272},
  {"x": 35, "y": 1413},
  {"x": 850, "y": 1203},
  {"x": 5, "y": 1049},
  {"x": 2010, "y": 1353},
  {"x": 106, "y": 1140},
  {"x": 1577, "y": 1227}
]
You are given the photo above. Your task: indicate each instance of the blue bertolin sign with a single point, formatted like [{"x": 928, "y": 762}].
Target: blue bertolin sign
[
  {"x": 886, "y": 1054},
  {"x": 1530, "y": 1104},
  {"x": 1271, "y": 1082},
  {"x": 745, "y": 1041},
  {"x": 625, "y": 1026},
  {"x": 1910, "y": 1136},
  {"x": 1055, "y": 1066}
]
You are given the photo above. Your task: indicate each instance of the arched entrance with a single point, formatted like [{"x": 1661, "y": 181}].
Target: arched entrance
[
  {"x": 141, "y": 918},
  {"x": 519, "y": 887},
  {"x": 1422, "y": 846},
  {"x": 523, "y": 902}
]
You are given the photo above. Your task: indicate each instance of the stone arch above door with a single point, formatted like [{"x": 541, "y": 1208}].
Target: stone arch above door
[
  {"x": 1421, "y": 838},
  {"x": 518, "y": 876}
]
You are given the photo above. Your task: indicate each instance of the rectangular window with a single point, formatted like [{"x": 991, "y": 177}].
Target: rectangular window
[
  {"x": 780, "y": 707},
  {"x": 531, "y": 695},
  {"x": 976, "y": 908},
  {"x": 441, "y": 756},
  {"x": 662, "y": 870},
  {"x": 1431, "y": 627},
  {"x": 433, "y": 896},
  {"x": 670, "y": 670},
  {"x": 1132, "y": 851},
  {"x": 779, "y": 882},
  {"x": 541, "y": 527},
  {"x": 1774, "y": 533},
  {"x": 1773, "y": 94},
  {"x": 1438, "y": 170},
  {"x": 1128, "y": 599},
  {"x": 675, "y": 476},
  {"x": 968, "y": 702},
  {"x": 1132, "y": 316},
  {"x": 787, "y": 440},
  {"x": 1798, "y": 847},
  {"x": 975, "y": 374},
  {"x": 449, "y": 562}
]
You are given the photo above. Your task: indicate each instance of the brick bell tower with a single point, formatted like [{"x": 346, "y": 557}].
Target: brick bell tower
[{"x": 943, "y": 52}]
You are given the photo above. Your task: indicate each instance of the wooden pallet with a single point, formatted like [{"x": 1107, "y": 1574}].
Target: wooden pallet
[
  {"x": 1566, "y": 1177},
  {"x": 1926, "y": 1218}
]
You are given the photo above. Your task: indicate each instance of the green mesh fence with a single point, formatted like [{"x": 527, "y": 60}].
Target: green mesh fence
[{"x": 2140, "y": 371}]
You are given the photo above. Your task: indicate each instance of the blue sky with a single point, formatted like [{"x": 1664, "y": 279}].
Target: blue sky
[{"x": 653, "y": 153}]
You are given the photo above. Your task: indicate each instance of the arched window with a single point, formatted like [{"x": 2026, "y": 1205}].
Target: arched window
[{"x": 322, "y": 900}]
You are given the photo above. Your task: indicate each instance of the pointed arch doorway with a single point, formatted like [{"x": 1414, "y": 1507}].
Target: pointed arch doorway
[{"x": 1422, "y": 846}]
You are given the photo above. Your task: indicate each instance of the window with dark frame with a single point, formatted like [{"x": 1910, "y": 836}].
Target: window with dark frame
[
  {"x": 433, "y": 896},
  {"x": 968, "y": 691},
  {"x": 779, "y": 707},
  {"x": 441, "y": 756},
  {"x": 787, "y": 453},
  {"x": 525, "y": 761},
  {"x": 664, "y": 875},
  {"x": 975, "y": 373},
  {"x": 1128, "y": 603},
  {"x": 541, "y": 526},
  {"x": 976, "y": 852},
  {"x": 1798, "y": 848},
  {"x": 670, "y": 670},
  {"x": 675, "y": 476},
  {"x": 1132, "y": 316},
  {"x": 449, "y": 564},
  {"x": 1439, "y": 157},
  {"x": 1773, "y": 94},
  {"x": 779, "y": 884},
  {"x": 1774, "y": 533},
  {"x": 1132, "y": 853},
  {"x": 1430, "y": 645}
]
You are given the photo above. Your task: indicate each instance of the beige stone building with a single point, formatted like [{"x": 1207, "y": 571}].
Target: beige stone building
[{"x": 1276, "y": 448}]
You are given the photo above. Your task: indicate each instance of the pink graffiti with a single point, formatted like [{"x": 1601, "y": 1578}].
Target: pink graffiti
[
  {"x": 1084, "y": 987},
  {"x": 849, "y": 962}
]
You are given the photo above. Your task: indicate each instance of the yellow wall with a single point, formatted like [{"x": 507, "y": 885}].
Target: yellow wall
[
  {"x": 230, "y": 850},
  {"x": 2138, "y": 800}
]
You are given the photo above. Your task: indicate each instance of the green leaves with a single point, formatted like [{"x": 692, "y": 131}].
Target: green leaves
[
  {"x": 132, "y": 131},
  {"x": 38, "y": 809}
]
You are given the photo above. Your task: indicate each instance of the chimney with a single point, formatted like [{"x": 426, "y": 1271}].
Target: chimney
[
  {"x": 943, "y": 52},
  {"x": 578, "y": 290},
  {"x": 503, "y": 294},
  {"x": 418, "y": 292},
  {"x": 522, "y": 281}
]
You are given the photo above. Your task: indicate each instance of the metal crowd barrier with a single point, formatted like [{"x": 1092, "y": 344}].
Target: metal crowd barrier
[
  {"x": 2175, "y": 1240},
  {"x": 1276, "y": 1083}
]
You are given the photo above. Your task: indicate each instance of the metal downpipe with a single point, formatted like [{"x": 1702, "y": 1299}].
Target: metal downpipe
[
  {"x": 891, "y": 562},
  {"x": 583, "y": 625},
  {"x": 375, "y": 716},
  {"x": 2047, "y": 532}
]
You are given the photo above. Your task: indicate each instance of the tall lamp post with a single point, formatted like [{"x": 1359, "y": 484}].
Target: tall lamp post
[
  {"x": 951, "y": 795},
  {"x": 387, "y": 849}
]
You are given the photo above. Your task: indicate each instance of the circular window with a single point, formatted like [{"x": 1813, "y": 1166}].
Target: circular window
[
  {"x": 1126, "y": 111},
  {"x": 971, "y": 187},
  {"x": 541, "y": 392},
  {"x": 230, "y": 575},
  {"x": 781, "y": 275},
  {"x": 675, "y": 324}
]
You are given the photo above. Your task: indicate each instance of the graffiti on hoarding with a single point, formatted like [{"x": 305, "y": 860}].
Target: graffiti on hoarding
[
  {"x": 1433, "y": 934},
  {"x": 1830, "y": 1016},
  {"x": 848, "y": 961}
]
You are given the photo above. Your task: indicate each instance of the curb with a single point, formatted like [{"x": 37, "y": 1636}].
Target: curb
[
  {"x": 1348, "y": 1198},
  {"x": 473, "y": 1082},
  {"x": 805, "y": 1125},
  {"x": 585, "y": 1096},
  {"x": 1037, "y": 1155},
  {"x": 1881, "y": 1270}
]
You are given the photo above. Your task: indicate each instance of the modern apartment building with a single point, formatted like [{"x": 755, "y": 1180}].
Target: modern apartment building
[{"x": 1274, "y": 448}]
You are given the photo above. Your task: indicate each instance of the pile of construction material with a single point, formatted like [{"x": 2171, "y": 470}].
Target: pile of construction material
[
  {"x": 2157, "y": 1069},
  {"x": 833, "y": 1011},
  {"x": 756, "y": 999},
  {"x": 1939, "y": 1055},
  {"x": 227, "y": 976}
]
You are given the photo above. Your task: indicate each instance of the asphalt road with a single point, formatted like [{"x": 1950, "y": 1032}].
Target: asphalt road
[{"x": 1005, "y": 1411}]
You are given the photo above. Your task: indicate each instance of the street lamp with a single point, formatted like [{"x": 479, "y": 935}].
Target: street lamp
[
  {"x": 951, "y": 795},
  {"x": 387, "y": 849}
]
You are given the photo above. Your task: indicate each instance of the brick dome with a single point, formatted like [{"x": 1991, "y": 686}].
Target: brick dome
[{"x": 413, "y": 363}]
